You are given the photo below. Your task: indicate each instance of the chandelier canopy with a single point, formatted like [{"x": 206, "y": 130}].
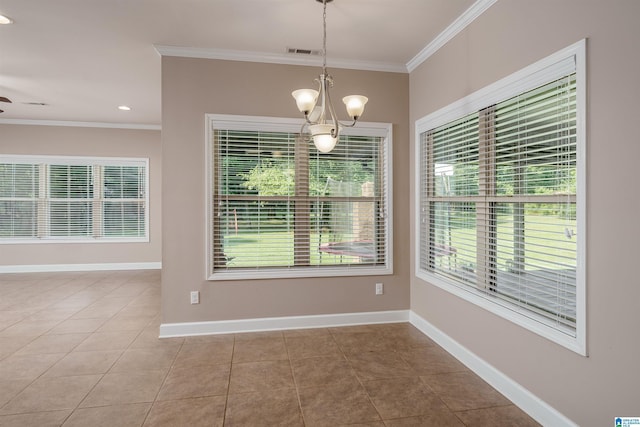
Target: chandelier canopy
[{"x": 320, "y": 116}]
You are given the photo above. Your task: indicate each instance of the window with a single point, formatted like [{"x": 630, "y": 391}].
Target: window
[
  {"x": 72, "y": 199},
  {"x": 501, "y": 198},
  {"x": 280, "y": 208}
]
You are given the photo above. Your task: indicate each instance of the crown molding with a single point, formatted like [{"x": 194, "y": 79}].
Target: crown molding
[
  {"x": 271, "y": 58},
  {"x": 467, "y": 17},
  {"x": 137, "y": 126}
]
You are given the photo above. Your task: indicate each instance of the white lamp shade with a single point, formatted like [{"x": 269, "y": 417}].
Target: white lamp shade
[
  {"x": 355, "y": 105},
  {"x": 305, "y": 99},
  {"x": 322, "y": 138}
]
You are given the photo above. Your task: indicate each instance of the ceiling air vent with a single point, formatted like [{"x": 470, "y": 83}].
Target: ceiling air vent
[{"x": 308, "y": 52}]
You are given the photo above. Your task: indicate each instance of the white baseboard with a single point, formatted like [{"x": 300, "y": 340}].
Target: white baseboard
[
  {"x": 523, "y": 398},
  {"x": 80, "y": 267},
  {"x": 280, "y": 323}
]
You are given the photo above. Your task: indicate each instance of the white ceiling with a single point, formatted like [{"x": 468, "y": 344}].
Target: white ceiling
[{"x": 83, "y": 58}]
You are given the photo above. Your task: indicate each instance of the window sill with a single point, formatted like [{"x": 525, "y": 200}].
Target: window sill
[{"x": 300, "y": 272}]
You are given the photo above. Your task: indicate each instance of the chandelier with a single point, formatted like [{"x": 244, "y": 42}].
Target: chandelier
[{"x": 320, "y": 117}]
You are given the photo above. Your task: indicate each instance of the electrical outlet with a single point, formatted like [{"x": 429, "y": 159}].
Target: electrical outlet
[
  {"x": 379, "y": 288},
  {"x": 195, "y": 297}
]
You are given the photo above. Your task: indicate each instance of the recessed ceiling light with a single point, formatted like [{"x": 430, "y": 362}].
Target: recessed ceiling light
[
  {"x": 124, "y": 108},
  {"x": 5, "y": 20}
]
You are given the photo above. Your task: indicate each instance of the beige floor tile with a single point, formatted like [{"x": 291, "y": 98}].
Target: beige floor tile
[
  {"x": 465, "y": 390},
  {"x": 109, "y": 416},
  {"x": 322, "y": 371},
  {"x": 125, "y": 323},
  {"x": 84, "y": 363},
  {"x": 31, "y": 328},
  {"x": 249, "y": 336},
  {"x": 260, "y": 376},
  {"x": 103, "y": 308},
  {"x": 145, "y": 359},
  {"x": 335, "y": 405},
  {"x": 431, "y": 360},
  {"x": 204, "y": 353},
  {"x": 126, "y": 387},
  {"x": 379, "y": 365},
  {"x": 303, "y": 346},
  {"x": 49, "y": 394},
  {"x": 52, "y": 314},
  {"x": 38, "y": 419},
  {"x": 359, "y": 342},
  {"x": 355, "y": 329},
  {"x": 56, "y": 326},
  {"x": 27, "y": 366},
  {"x": 53, "y": 344},
  {"x": 148, "y": 338},
  {"x": 404, "y": 397},
  {"x": 436, "y": 419},
  {"x": 129, "y": 290},
  {"x": 501, "y": 416},
  {"x": 197, "y": 381},
  {"x": 402, "y": 336},
  {"x": 259, "y": 349},
  {"x": 10, "y": 317},
  {"x": 77, "y": 326},
  {"x": 312, "y": 332},
  {"x": 72, "y": 303},
  {"x": 278, "y": 407},
  {"x": 107, "y": 341},
  {"x": 10, "y": 389},
  {"x": 196, "y": 412},
  {"x": 370, "y": 424},
  {"x": 11, "y": 344}
]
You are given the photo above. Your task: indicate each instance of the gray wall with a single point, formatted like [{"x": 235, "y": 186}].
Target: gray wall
[
  {"x": 87, "y": 141},
  {"x": 507, "y": 37}
]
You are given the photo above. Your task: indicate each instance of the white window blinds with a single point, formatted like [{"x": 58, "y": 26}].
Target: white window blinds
[
  {"x": 19, "y": 192},
  {"x": 498, "y": 205},
  {"x": 278, "y": 204},
  {"x": 72, "y": 198}
]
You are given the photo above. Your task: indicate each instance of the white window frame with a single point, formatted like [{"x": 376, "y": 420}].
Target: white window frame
[
  {"x": 278, "y": 124},
  {"x": 554, "y": 66},
  {"x": 43, "y": 220}
]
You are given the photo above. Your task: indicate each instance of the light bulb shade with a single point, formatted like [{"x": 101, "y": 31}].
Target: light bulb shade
[
  {"x": 305, "y": 99},
  {"x": 322, "y": 137},
  {"x": 355, "y": 105}
]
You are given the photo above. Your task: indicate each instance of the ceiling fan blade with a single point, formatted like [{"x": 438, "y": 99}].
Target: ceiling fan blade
[{"x": 4, "y": 99}]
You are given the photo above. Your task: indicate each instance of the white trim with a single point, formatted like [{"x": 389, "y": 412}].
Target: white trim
[
  {"x": 79, "y": 124},
  {"x": 581, "y": 193},
  {"x": 539, "y": 410},
  {"x": 274, "y": 58},
  {"x": 467, "y": 17},
  {"x": 168, "y": 330},
  {"x": 45, "y": 268}
]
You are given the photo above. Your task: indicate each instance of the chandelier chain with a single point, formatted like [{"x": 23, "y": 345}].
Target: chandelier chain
[{"x": 324, "y": 38}]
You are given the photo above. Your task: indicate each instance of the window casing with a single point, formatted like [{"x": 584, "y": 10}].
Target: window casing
[
  {"x": 73, "y": 199},
  {"x": 279, "y": 208},
  {"x": 501, "y": 198}
]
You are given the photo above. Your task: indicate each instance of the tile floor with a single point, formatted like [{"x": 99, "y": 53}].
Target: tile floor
[{"x": 81, "y": 349}]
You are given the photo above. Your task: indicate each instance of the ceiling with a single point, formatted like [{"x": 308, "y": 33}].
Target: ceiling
[{"x": 84, "y": 58}]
